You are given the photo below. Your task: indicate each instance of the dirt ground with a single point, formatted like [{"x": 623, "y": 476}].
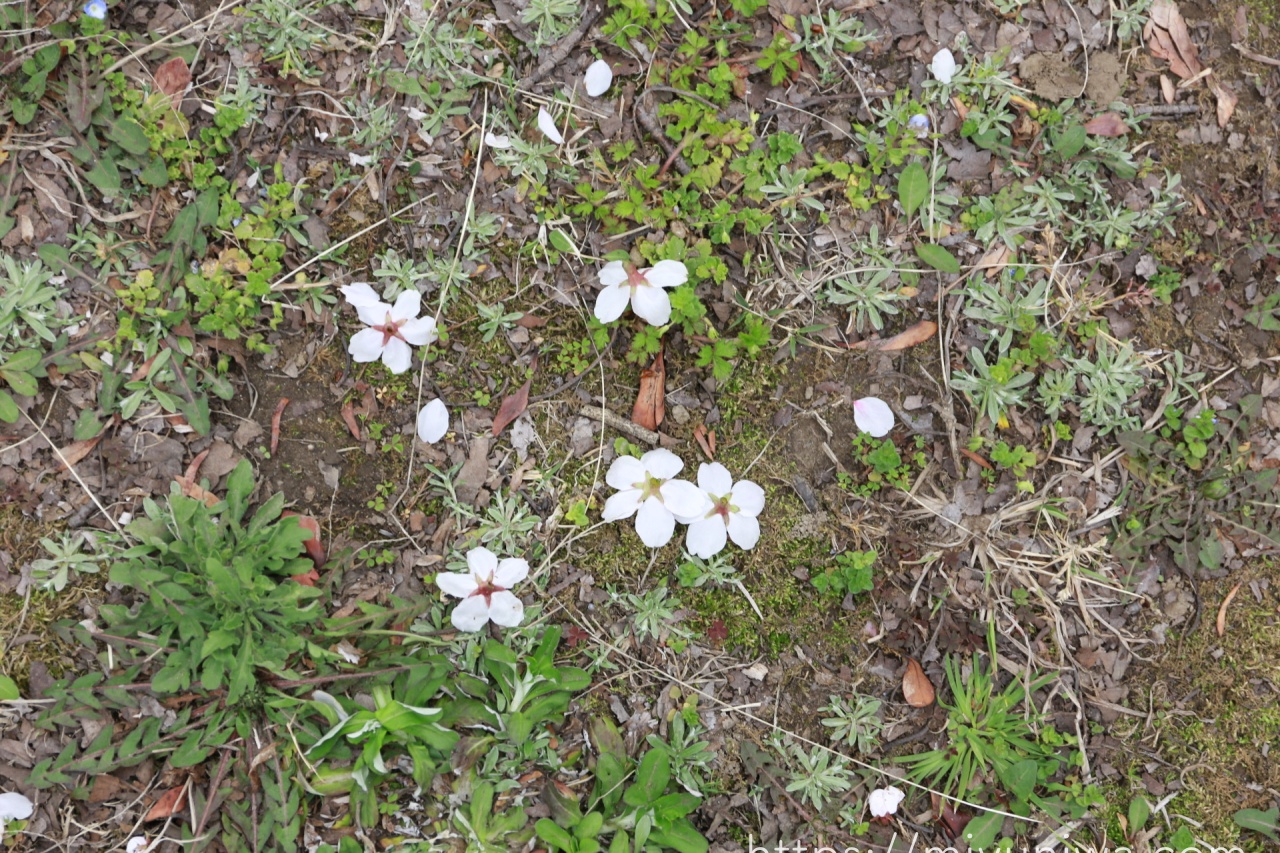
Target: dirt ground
[{"x": 1164, "y": 671}]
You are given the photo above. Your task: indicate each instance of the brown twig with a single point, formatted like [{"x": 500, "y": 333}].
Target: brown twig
[{"x": 562, "y": 50}]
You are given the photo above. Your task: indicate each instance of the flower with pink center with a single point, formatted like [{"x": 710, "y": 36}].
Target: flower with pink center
[
  {"x": 644, "y": 290},
  {"x": 734, "y": 507},
  {"x": 485, "y": 590},
  {"x": 393, "y": 329},
  {"x": 647, "y": 491}
]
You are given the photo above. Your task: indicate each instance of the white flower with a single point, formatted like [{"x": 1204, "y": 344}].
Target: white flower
[
  {"x": 393, "y": 329},
  {"x": 599, "y": 78},
  {"x": 884, "y": 801},
  {"x": 873, "y": 416},
  {"x": 433, "y": 421},
  {"x": 548, "y": 126},
  {"x": 494, "y": 140},
  {"x": 943, "y": 66},
  {"x": 137, "y": 844},
  {"x": 647, "y": 490},
  {"x": 96, "y": 9},
  {"x": 643, "y": 289},
  {"x": 734, "y": 507},
  {"x": 484, "y": 590},
  {"x": 14, "y": 806}
]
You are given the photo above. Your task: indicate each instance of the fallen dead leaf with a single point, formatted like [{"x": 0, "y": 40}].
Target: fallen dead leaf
[
  {"x": 1106, "y": 124},
  {"x": 650, "y": 407},
  {"x": 313, "y": 546},
  {"x": 512, "y": 407},
  {"x": 275, "y": 423},
  {"x": 171, "y": 802},
  {"x": 909, "y": 337},
  {"x": 706, "y": 439},
  {"x": 1167, "y": 90},
  {"x": 172, "y": 78},
  {"x": 1166, "y": 33},
  {"x": 1222, "y": 610},
  {"x": 348, "y": 413},
  {"x": 1227, "y": 101},
  {"x": 916, "y": 686},
  {"x": 994, "y": 259},
  {"x": 78, "y": 450},
  {"x": 976, "y": 458}
]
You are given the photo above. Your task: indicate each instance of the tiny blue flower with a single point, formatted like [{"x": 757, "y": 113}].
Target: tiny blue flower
[
  {"x": 96, "y": 9},
  {"x": 919, "y": 123}
]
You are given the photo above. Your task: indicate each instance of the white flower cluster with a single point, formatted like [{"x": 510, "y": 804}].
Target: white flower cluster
[{"x": 716, "y": 510}]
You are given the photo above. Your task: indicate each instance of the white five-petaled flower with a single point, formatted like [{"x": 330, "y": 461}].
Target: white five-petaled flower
[
  {"x": 484, "y": 590},
  {"x": 734, "y": 507},
  {"x": 393, "y": 329},
  {"x": 645, "y": 290},
  {"x": 96, "y": 9},
  {"x": 873, "y": 416},
  {"x": 884, "y": 801},
  {"x": 647, "y": 490},
  {"x": 433, "y": 421},
  {"x": 943, "y": 66}
]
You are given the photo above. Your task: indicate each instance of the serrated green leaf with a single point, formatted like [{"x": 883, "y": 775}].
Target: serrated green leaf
[
  {"x": 937, "y": 257},
  {"x": 913, "y": 188},
  {"x": 105, "y": 176},
  {"x": 156, "y": 174}
]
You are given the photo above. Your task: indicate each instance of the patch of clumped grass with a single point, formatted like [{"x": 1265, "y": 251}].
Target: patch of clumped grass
[{"x": 1215, "y": 710}]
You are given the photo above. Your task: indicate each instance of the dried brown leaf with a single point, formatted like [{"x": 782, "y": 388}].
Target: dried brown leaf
[
  {"x": 650, "y": 407},
  {"x": 1222, "y": 610},
  {"x": 1227, "y": 101},
  {"x": 173, "y": 77},
  {"x": 916, "y": 686},
  {"x": 909, "y": 337},
  {"x": 1107, "y": 124},
  {"x": 275, "y": 423},
  {"x": 348, "y": 412},
  {"x": 171, "y": 802},
  {"x": 512, "y": 407},
  {"x": 78, "y": 450}
]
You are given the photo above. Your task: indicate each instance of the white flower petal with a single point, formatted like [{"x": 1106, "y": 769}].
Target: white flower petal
[
  {"x": 714, "y": 479},
  {"x": 883, "y": 802},
  {"x": 707, "y": 537},
  {"x": 494, "y": 140},
  {"x": 622, "y": 505},
  {"x": 408, "y": 306},
  {"x": 505, "y": 609},
  {"x": 667, "y": 274},
  {"x": 626, "y": 472},
  {"x": 652, "y": 305},
  {"x": 599, "y": 78},
  {"x": 365, "y": 345},
  {"x": 359, "y": 293},
  {"x": 685, "y": 500},
  {"x": 613, "y": 274},
  {"x": 611, "y": 302},
  {"x": 943, "y": 66},
  {"x": 373, "y": 313},
  {"x": 433, "y": 421},
  {"x": 548, "y": 126},
  {"x": 457, "y": 584},
  {"x": 471, "y": 614},
  {"x": 873, "y": 416},
  {"x": 398, "y": 356},
  {"x": 15, "y": 806},
  {"x": 419, "y": 332},
  {"x": 137, "y": 844},
  {"x": 747, "y": 498},
  {"x": 744, "y": 531},
  {"x": 359, "y": 160},
  {"x": 482, "y": 562},
  {"x": 662, "y": 463},
  {"x": 654, "y": 523},
  {"x": 510, "y": 572}
]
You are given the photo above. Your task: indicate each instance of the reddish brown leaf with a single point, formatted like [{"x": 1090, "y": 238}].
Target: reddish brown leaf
[
  {"x": 650, "y": 407},
  {"x": 1222, "y": 611},
  {"x": 1106, "y": 124},
  {"x": 976, "y": 458},
  {"x": 105, "y": 787},
  {"x": 349, "y": 418},
  {"x": 172, "y": 78},
  {"x": 171, "y": 802},
  {"x": 916, "y": 686},
  {"x": 919, "y": 333},
  {"x": 531, "y": 321},
  {"x": 306, "y": 578},
  {"x": 512, "y": 407},
  {"x": 718, "y": 632},
  {"x": 275, "y": 423},
  {"x": 194, "y": 468},
  {"x": 1169, "y": 39},
  {"x": 313, "y": 546},
  {"x": 706, "y": 440},
  {"x": 952, "y": 821},
  {"x": 1227, "y": 101},
  {"x": 575, "y": 636},
  {"x": 78, "y": 450}
]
